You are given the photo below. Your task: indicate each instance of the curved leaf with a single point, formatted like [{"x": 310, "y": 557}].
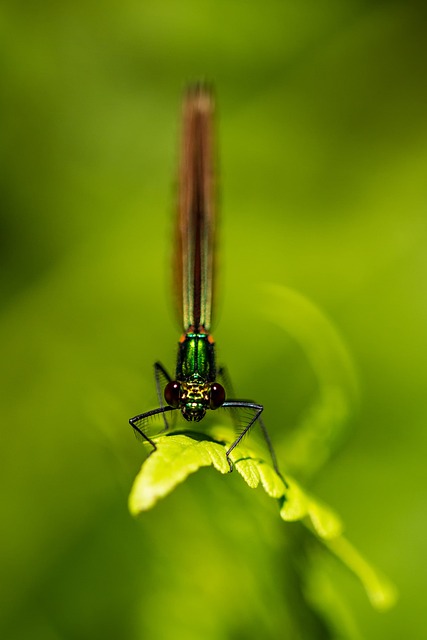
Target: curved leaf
[
  {"x": 178, "y": 455},
  {"x": 254, "y": 470},
  {"x": 381, "y": 592},
  {"x": 296, "y": 504},
  {"x": 326, "y": 523},
  {"x": 175, "y": 458}
]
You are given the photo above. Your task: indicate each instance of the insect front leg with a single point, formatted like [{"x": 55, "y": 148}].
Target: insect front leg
[
  {"x": 258, "y": 409},
  {"x": 138, "y": 431},
  {"x": 139, "y": 422}
]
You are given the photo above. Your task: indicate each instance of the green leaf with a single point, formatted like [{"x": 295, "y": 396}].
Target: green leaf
[
  {"x": 177, "y": 456},
  {"x": 328, "y": 526},
  {"x": 326, "y": 523},
  {"x": 381, "y": 592},
  {"x": 299, "y": 504},
  {"x": 295, "y": 506},
  {"x": 254, "y": 470}
]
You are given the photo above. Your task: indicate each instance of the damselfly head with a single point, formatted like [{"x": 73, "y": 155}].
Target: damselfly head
[{"x": 195, "y": 396}]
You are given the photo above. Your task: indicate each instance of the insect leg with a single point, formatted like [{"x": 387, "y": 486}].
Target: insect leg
[
  {"x": 258, "y": 408},
  {"x": 138, "y": 422}
]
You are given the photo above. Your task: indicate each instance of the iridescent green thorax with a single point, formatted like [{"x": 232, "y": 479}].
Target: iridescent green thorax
[{"x": 196, "y": 358}]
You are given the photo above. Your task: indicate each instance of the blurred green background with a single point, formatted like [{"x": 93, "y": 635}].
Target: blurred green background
[{"x": 323, "y": 153}]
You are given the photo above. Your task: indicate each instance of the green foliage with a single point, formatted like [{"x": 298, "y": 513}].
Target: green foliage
[
  {"x": 174, "y": 460},
  {"x": 178, "y": 456}
]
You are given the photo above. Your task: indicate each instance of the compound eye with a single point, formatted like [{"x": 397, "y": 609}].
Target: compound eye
[
  {"x": 217, "y": 396},
  {"x": 172, "y": 394}
]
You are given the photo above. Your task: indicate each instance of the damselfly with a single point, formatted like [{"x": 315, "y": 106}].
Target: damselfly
[{"x": 195, "y": 388}]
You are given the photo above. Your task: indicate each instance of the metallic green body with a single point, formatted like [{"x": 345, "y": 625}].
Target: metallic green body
[
  {"x": 196, "y": 358},
  {"x": 195, "y": 372}
]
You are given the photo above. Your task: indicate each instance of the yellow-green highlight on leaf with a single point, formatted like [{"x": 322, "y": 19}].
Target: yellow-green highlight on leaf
[
  {"x": 254, "y": 471},
  {"x": 298, "y": 505},
  {"x": 295, "y": 506},
  {"x": 381, "y": 592},
  {"x": 326, "y": 523},
  {"x": 175, "y": 458},
  {"x": 248, "y": 470},
  {"x": 328, "y": 527}
]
